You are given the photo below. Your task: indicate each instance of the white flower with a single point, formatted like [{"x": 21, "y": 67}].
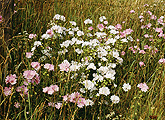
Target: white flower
[
  {"x": 73, "y": 23},
  {"x": 120, "y": 60},
  {"x": 88, "y": 21},
  {"x": 102, "y": 18},
  {"x": 78, "y": 51},
  {"x": 82, "y": 90},
  {"x": 115, "y": 99},
  {"x": 111, "y": 27},
  {"x": 62, "y": 18},
  {"x": 115, "y": 54},
  {"x": 111, "y": 40},
  {"x": 57, "y": 16},
  {"x": 33, "y": 48},
  {"x": 115, "y": 85},
  {"x": 112, "y": 65},
  {"x": 124, "y": 40},
  {"x": 91, "y": 66},
  {"x": 89, "y": 102},
  {"x": 126, "y": 87},
  {"x": 114, "y": 32},
  {"x": 104, "y": 91},
  {"x": 80, "y": 33},
  {"x": 45, "y": 36},
  {"x": 88, "y": 84},
  {"x": 37, "y": 43}
]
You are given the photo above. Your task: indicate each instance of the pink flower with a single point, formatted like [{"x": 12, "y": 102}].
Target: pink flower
[
  {"x": 143, "y": 87},
  {"x": 50, "y": 90},
  {"x": 146, "y": 47},
  {"x": 81, "y": 102},
  {"x": 22, "y": 89},
  {"x": 153, "y": 17},
  {"x": 105, "y": 22},
  {"x": 122, "y": 53},
  {"x": 141, "y": 17},
  {"x": 162, "y": 61},
  {"x": 118, "y": 26},
  {"x": 149, "y": 12},
  {"x": 36, "y": 80},
  {"x": 7, "y": 91},
  {"x": 146, "y": 5},
  {"x": 146, "y": 36},
  {"x": 29, "y": 54},
  {"x": 35, "y": 65},
  {"x": 141, "y": 64},
  {"x": 17, "y": 104},
  {"x": 58, "y": 105},
  {"x": 74, "y": 97},
  {"x": 11, "y": 79},
  {"x": 101, "y": 27},
  {"x": 90, "y": 28},
  {"x": 148, "y": 25},
  {"x": 31, "y": 36},
  {"x": 142, "y": 51},
  {"x": 50, "y": 32},
  {"x": 64, "y": 66},
  {"x": 132, "y": 11},
  {"x": 29, "y": 74},
  {"x": 0, "y": 18},
  {"x": 159, "y": 30},
  {"x": 49, "y": 66},
  {"x": 65, "y": 98}
]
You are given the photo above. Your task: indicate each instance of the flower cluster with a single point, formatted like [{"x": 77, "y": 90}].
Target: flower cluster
[
  {"x": 50, "y": 90},
  {"x": 76, "y": 98},
  {"x": 11, "y": 79}
]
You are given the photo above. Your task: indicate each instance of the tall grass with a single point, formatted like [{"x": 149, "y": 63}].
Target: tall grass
[{"x": 34, "y": 16}]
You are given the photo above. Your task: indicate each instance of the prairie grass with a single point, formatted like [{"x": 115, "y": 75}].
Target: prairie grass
[{"x": 33, "y": 17}]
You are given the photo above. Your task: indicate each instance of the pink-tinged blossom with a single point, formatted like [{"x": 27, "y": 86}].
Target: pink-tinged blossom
[
  {"x": 160, "y": 21},
  {"x": 105, "y": 22},
  {"x": 50, "y": 32},
  {"x": 0, "y": 18},
  {"x": 58, "y": 105},
  {"x": 17, "y": 104},
  {"x": 51, "y": 104},
  {"x": 142, "y": 51},
  {"x": 29, "y": 54},
  {"x": 7, "y": 91},
  {"x": 148, "y": 25},
  {"x": 36, "y": 80},
  {"x": 74, "y": 97},
  {"x": 118, "y": 26},
  {"x": 29, "y": 74},
  {"x": 132, "y": 11},
  {"x": 162, "y": 61},
  {"x": 22, "y": 89},
  {"x": 159, "y": 30},
  {"x": 146, "y": 5},
  {"x": 35, "y": 65},
  {"x": 146, "y": 36},
  {"x": 65, "y": 97},
  {"x": 101, "y": 27},
  {"x": 153, "y": 17},
  {"x": 146, "y": 47},
  {"x": 81, "y": 102},
  {"x": 49, "y": 66},
  {"x": 122, "y": 53},
  {"x": 143, "y": 87},
  {"x": 31, "y": 36},
  {"x": 11, "y": 79},
  {"x": 149, "y": 12},
  {"x": 142, "y": 27},
  {"x": 50, "y": 90},
  {"x": 64, "y": 66},
  {"x": 90, "y": 28},
  {"x": 141, "y": 17},
  {"x": 141, "y": 64}
]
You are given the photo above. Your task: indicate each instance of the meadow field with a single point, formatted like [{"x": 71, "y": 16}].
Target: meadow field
[{"x": 83, "y": 60}]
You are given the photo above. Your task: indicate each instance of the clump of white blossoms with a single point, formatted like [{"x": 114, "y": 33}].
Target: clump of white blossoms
[
  {"x": 93, "y": 55},
  {"x": 126, "y": 87}
]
